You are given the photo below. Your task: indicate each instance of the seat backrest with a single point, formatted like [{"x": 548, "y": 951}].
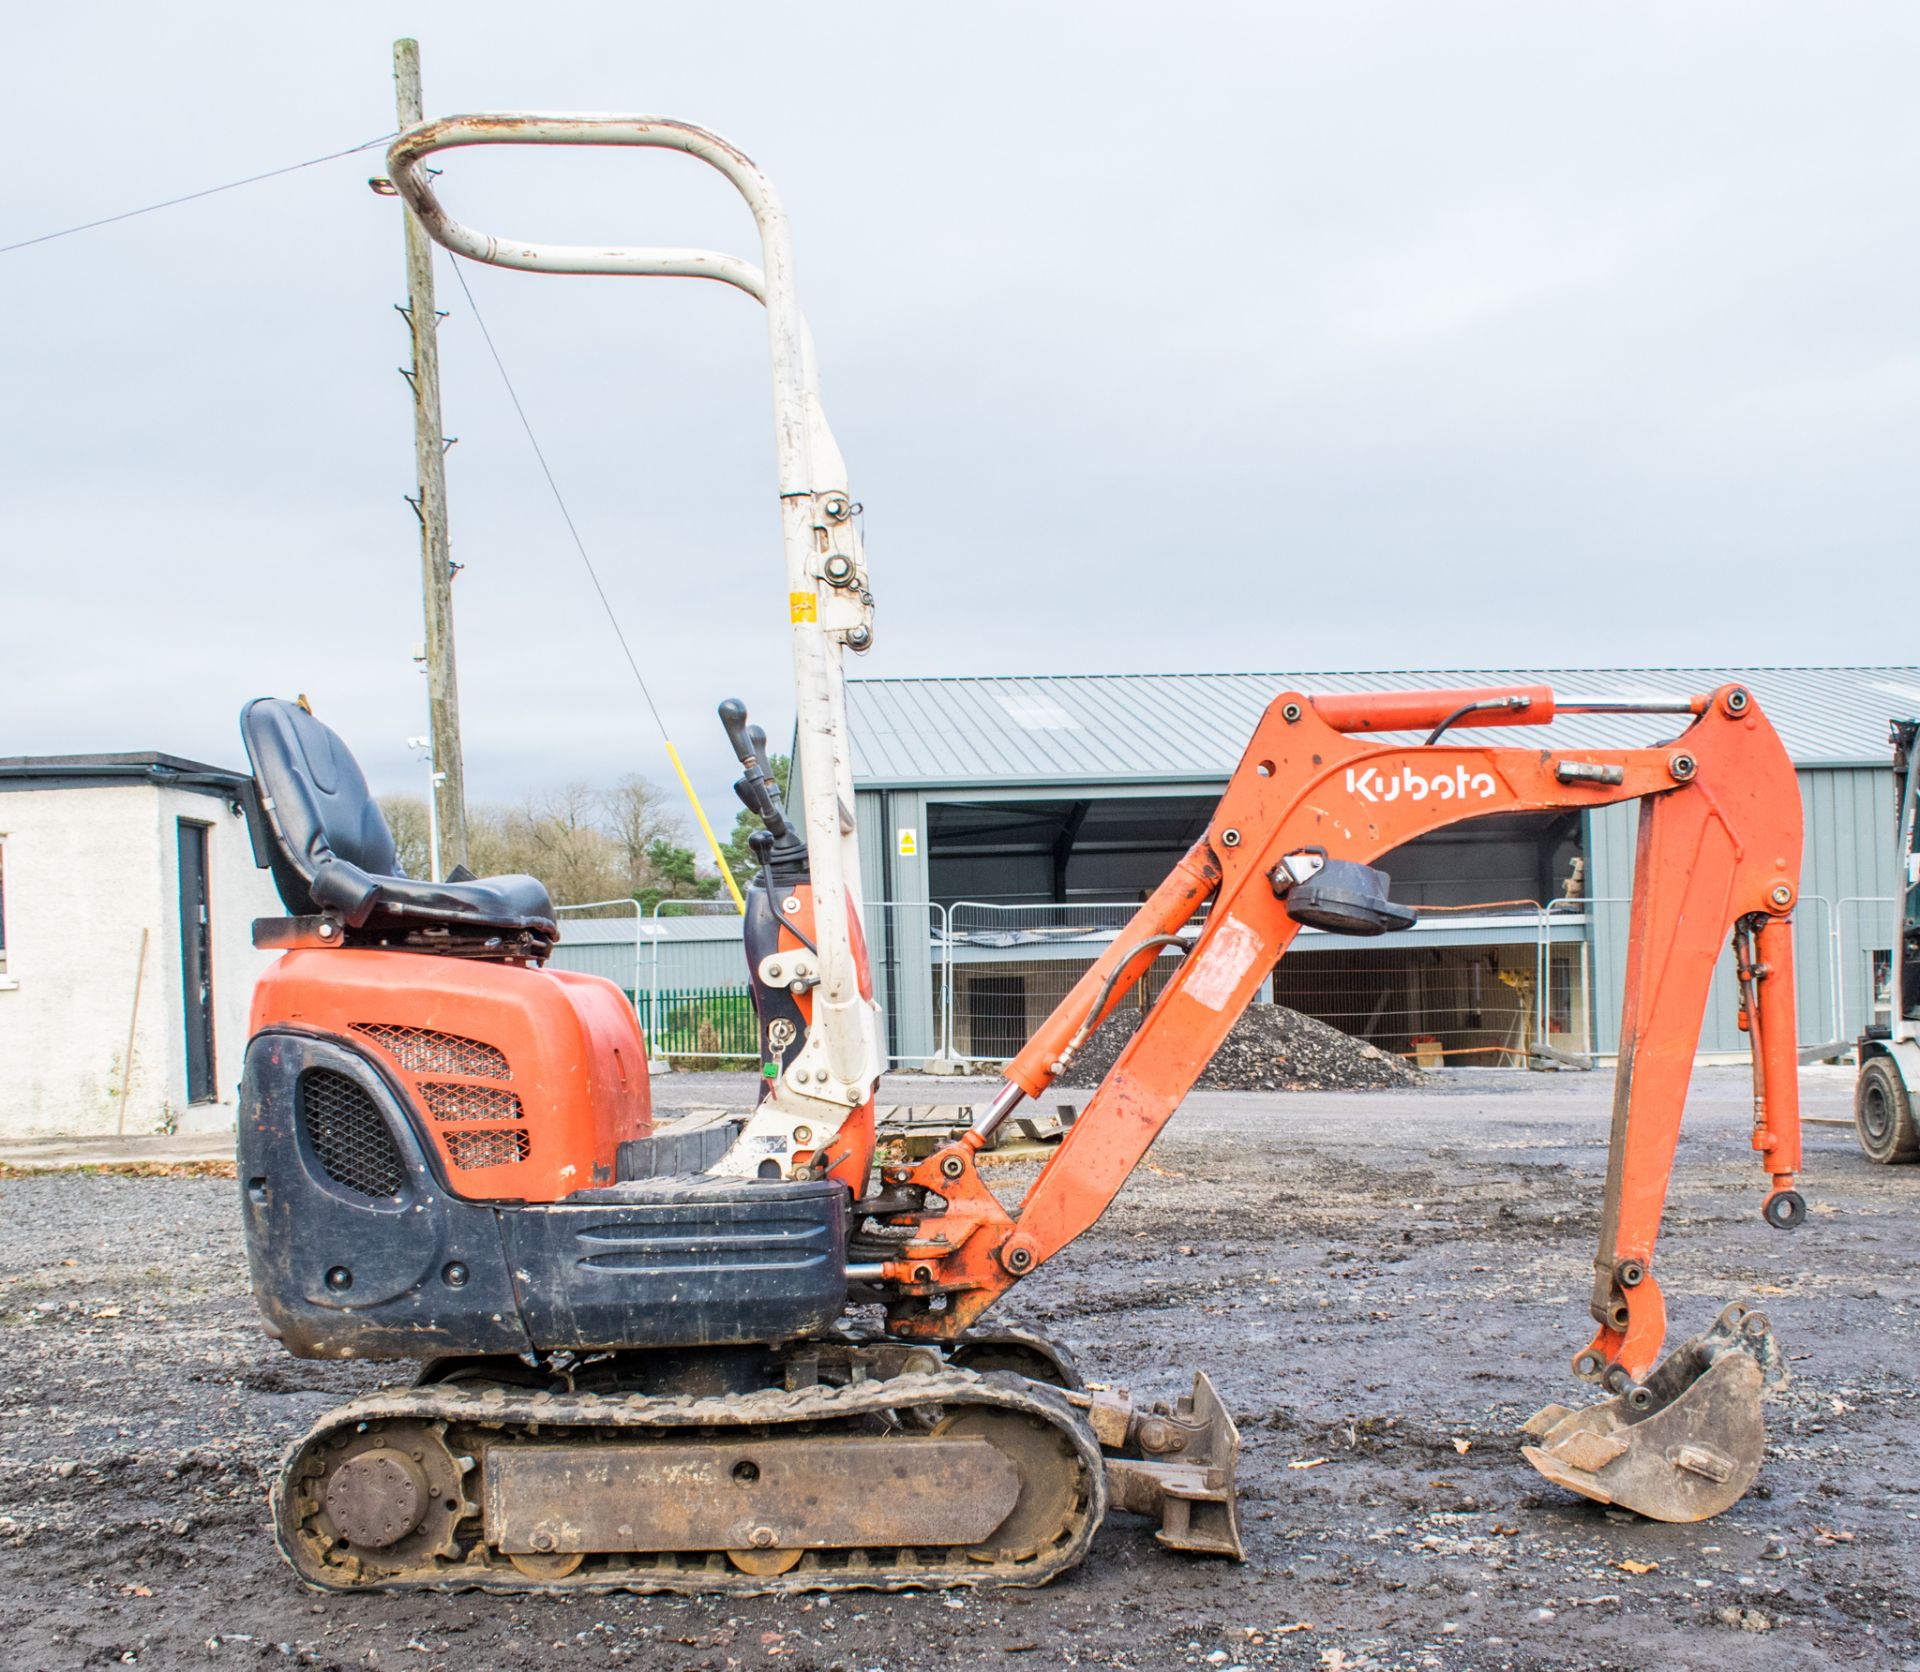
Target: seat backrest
[{"x": 315, "y": 800}]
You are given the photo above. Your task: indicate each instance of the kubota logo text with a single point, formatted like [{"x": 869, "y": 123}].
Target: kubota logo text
[{"x": 1457, "y": 785}]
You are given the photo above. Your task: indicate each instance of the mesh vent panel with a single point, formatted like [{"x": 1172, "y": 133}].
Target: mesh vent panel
[
  {"x": 423, "y": 1051},
  {"x": 349, "y": 1138},
  {"x": 447, "y": 1101},
  {"x": 486, "y": 1149}
]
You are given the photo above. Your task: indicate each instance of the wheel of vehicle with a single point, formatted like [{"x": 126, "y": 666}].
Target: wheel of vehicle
[{"x": 1883, "y": 1113}]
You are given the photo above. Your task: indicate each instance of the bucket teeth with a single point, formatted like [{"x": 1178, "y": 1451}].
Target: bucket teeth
[
  {"x": 1694, "y": 1451},
  {"x": 1542, "y": 1420}
]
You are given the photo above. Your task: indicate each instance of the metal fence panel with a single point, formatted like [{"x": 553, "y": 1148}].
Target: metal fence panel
[
  {"x": 1862, "y": 960},
  {"x": 699, "y": 1003},
  {"x": 1491, "y": 999},
  {"x": 1009, "y": 965},
  {"x": 1820, "y": 1004},
  {"x": 619, "y": 952},
  {"x": 1463, "y": 993},
  {"x": 1493, "y": 991},
  {"x": 906, "y": 952},
  {"x": 971, "y": 982}
]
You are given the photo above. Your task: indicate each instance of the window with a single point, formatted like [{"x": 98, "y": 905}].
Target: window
[{"x": 3, "y": 916}]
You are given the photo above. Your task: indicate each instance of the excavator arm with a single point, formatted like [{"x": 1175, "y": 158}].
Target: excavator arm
[{"x": 1318, "y": 795}]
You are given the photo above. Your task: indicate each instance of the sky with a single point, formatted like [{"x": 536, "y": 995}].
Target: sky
[{"x": 1199, "y": 338}]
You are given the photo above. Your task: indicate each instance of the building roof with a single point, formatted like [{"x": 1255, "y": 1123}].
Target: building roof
[
  {"x": 42, "y": 772},
  {"x": 1191, "y": 728}
]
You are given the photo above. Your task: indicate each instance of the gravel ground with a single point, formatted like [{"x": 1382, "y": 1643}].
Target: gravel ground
[{"x": 1382, "y": 1284}]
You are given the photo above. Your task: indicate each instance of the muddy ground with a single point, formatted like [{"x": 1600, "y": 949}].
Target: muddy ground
[{"x": 1375, "y": 1280}]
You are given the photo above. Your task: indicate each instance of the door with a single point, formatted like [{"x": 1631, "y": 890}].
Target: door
[{"x": 196, "y": 962}]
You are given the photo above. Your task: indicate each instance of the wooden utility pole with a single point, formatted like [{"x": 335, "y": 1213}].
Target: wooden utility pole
[{"x": 430, "y": 454}]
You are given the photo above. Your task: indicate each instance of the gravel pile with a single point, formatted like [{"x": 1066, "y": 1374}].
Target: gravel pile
[{"x": 1270, "y": 1048}]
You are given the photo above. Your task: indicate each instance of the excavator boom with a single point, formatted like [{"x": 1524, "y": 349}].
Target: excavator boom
[{"x": 1320, "y": 794}]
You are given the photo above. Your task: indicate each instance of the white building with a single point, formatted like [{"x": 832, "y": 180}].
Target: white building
[{"x": 127, "y": 897}]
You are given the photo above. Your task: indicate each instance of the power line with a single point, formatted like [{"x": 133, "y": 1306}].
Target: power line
[
  {"x": 559, "y": 499},
  {"x": 606, "y": 604},
  {"x": 190, "y": 197}
]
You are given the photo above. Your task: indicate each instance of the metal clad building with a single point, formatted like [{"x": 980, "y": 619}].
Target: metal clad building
[{"x": 1042, "y": 798}]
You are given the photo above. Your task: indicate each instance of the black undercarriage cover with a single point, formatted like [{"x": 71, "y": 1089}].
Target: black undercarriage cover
[{"x": 358, "y": 1249}]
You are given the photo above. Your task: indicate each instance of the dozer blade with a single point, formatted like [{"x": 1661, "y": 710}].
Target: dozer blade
[
  {"x": 1684, "y": 1445},
  {"x": 1177, "y": 1466}
]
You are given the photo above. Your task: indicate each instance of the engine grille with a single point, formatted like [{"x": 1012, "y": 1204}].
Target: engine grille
[
  {"x": 486, "y": 1149},
  {"x": 423, "y": 1051},
  {"x": 447, "y": 1100},
  {"x": 349, "y": 1138}
]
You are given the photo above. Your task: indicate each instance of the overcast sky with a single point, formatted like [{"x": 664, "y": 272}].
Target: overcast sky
[{"x": 1174, "y": 338}]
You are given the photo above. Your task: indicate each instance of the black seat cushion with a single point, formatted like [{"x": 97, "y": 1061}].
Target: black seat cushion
[{"x": 329, "y": 847}]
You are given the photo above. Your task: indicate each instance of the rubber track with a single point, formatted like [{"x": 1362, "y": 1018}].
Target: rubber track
[{"x": 500, "y": 1407}]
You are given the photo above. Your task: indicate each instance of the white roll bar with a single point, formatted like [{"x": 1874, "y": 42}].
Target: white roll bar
[{"x": 829, "y": 603}]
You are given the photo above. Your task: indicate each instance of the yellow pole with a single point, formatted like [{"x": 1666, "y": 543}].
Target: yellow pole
[{"x": 706, "y": 829}]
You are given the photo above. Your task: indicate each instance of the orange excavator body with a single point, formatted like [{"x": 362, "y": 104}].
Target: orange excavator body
[
  {"x": 526, "y": 1080},
  {"x": 651, "y": 1383}
]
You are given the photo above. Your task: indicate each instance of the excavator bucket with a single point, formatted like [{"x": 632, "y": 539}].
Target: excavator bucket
[{"x": 1685, "y": 1444}]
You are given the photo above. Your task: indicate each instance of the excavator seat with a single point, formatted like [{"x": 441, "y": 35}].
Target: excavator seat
[{"x": 317, "y": 828}]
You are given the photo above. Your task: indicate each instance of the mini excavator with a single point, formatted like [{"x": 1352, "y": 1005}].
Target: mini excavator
[{"x": 731, "y": 1355}]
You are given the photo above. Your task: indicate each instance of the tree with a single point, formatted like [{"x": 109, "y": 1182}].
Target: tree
[
  {"x": 584, "y": 842},
  {"x": 739, "y": 856},
  {"x": 673, "y": 875},
  {"x": 568, "y": 848},
  {"x": 406, "y": 817},
  {"x": 636, "y": 819}
]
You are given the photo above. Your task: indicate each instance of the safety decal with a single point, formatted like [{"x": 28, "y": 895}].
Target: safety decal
[{"x": 1229, "y": 955}]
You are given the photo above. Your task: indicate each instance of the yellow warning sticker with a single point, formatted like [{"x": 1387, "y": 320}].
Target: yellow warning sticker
[
  {"x": 909, "y": 843},
  {"x": 800, "y": 606}
]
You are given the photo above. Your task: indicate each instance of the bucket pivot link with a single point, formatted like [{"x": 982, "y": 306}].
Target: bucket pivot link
[{"x": 1684, "y": 1444}]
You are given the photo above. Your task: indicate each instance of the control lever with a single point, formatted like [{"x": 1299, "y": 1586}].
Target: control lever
[
  {"x": 758, "y": 737},
  {"x": 753, "y": 796},
  {"x": 756, "y": 790}
]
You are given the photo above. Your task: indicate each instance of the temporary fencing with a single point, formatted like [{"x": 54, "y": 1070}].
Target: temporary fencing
[{"x": 1494, "y": 983}]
